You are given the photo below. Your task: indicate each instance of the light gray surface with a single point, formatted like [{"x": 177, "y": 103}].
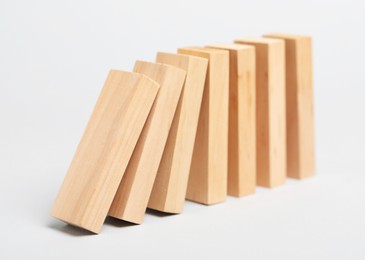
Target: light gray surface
[{"x": 54, "y": 57}]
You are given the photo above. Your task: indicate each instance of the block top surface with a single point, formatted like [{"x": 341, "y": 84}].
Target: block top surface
[
  {"x": 231, "y": 46},
  {"x": 157, "y": 69},
  {"x": 257, "y": 40},
  {"x": 183, "y": 57},
  {"x": 287, "y": 36},
  {"x": 203, "y": 50},
  {"x": 136, "y": 76}
]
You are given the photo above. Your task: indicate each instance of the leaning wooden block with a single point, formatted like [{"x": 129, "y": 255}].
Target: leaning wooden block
[
  {"x": 208, "y": 174},
  {"x": 169, "y": 190},
  {"x": 299, "y": 103},
  {"x": 242, "y": 119},
  {"x": 270, "y": 109},
  {"x": 134, "y": 191},
  {"x": 105, "y": 149}
]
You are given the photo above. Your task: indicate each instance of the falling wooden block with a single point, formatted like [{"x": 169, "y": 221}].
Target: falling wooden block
[
  {"x": 270, "y": 109},
  {"x": 208, "y": 174},
  {"x": 105, "y": 149},
  {"x": 242, "y": 119},
  {"x": 299, "y": 103},
  {"x": 134, "y": 191},
  {"x": 169, "y": 190}
]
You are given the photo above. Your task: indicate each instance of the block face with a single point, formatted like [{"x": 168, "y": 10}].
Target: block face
[
  {"x": 105, "y": 149},
  {"x": 208, "y": 174},
  {"x": 270, "y": 110},
  {"x": 132, "y": 197},
  {"x": 277, "y": 113},
  {"x": 242, "y": 119},
  {"x": 299, "y": 102},
  {"x": 169, "y": 190}
]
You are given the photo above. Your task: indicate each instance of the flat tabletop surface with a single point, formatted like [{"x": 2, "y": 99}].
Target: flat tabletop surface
[{"x": 319, "y": 218}]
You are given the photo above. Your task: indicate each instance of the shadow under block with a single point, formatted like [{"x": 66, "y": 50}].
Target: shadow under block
[
  {"x": 131, "y": 199},
  {"x": 169, "y": 190},
  {"x": 208, "y": 173},
  {"x": 242, "y": 119},
  {"x": 270, "y": 109},
  {"x": 105, "y": 149},
  {"x": 299, "y": 103}
]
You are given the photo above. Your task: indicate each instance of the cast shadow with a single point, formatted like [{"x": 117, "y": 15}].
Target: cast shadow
[
  {"x": 159, "y": 214},
  {"x": 69, "y": 229},
  {"x": 110, "y": 221}
]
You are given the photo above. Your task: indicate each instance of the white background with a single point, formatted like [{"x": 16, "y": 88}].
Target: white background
[{"x": 54, "y": 58}]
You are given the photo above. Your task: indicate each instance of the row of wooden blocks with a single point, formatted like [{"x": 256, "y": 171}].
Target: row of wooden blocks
[{"x": 197, "y": 125}]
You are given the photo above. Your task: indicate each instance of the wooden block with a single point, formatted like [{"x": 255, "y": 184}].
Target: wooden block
[
  {"x": 299, "y": 103},
  {"x": 134, "y": 191},
  {"x": 270, "y": 109},
  {"x": 242, "y": 119},
  {"x": 208, "y": 174},
  {"x": 169, "y": 190},
  {"x": 105, "y": 149}
]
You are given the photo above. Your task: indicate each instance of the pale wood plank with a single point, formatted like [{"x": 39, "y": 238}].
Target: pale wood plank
[
  {"x": 270, "y": 109},
  {"x": 242, "y": 119},
  {"x": 134, "y": 191},
  {"x": 208, "y": 174},
  {"x": 299, "y": 102},
  {"x": 105, "y": 149},
  {"x": 169, "y": 190}
]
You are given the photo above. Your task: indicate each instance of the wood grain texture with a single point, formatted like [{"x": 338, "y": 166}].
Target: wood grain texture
[
  {"x": 169, "y": 190},
  {"x": 270, "y": 109},
  {"x": 134, "y": 191},
  {"x": 299, "y": 102},
  {"x": 242, "y": 119},
  {"x": 208, "y": 174},
  {"x": 105, "y": 149}
]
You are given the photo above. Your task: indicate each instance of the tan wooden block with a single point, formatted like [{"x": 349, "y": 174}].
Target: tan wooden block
[
  {"x": 208, "y": 174},
  {"x": 299, "y": 103},
  {"x": 134, "y": 191},
  {"x": 169, "y": 190},
  {"x": 242, "y": 119},
  {"x": 270, "y": 109},
  {"x": 105, "y": 149}
]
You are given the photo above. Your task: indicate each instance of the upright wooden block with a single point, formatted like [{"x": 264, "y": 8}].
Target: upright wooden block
[
  {"x": 169, "y": 190},
  {"x": 242, "y": 119},
  {"x": 105, "y": 149},
  {"x": 208, "y": 174},
  {"x": 299, "y": 103},
  {"x": 270, "y": 109},
  {"x": 134, "y": 191}
]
